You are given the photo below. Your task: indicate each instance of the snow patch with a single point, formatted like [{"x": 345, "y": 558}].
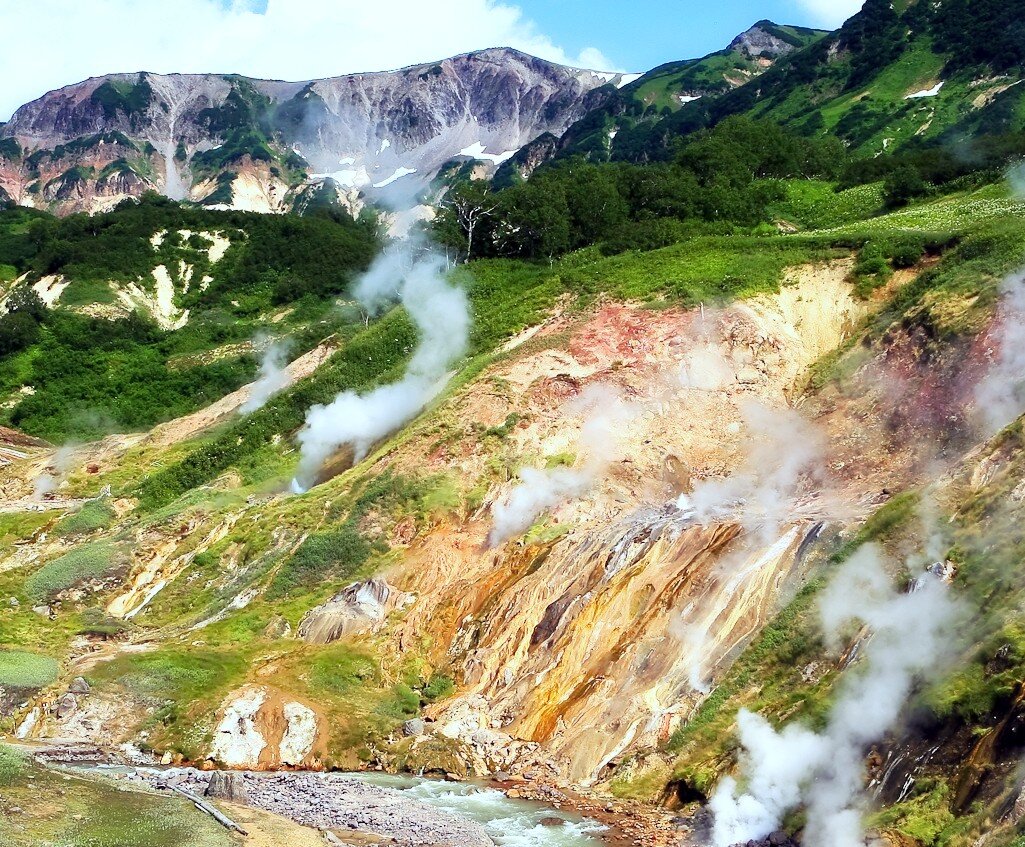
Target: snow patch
[
  {"x": 401, "y": 172},
  {"x": 50, "y": 288},
  {"x": 476, "y": 151},
  {"x": 928, "y": 92},
  {"x": 300, "y": 734},
  {"x": 237, "y": 743},
  {"x": 687, "y": 98}
]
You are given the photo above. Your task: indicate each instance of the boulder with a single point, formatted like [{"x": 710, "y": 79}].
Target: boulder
[
  {"x": 66, "y": 706},
  {"x": 79, "y": 686},
  {"x": 414, "y": 728},
  {"x": 227, "y": 785},
  {"x": 277, "y": 627}
]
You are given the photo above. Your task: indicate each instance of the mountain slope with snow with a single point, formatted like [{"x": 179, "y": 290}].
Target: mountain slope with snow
[{"x": 251, "y": 144}]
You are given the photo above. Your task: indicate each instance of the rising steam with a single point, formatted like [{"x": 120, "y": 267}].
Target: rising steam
[
  {"x": 441, "y": 313},
  {"x": 823, "y": 772},
  {"x": 50, "y": 479},
  {"x": 783, "y": 463},
  {"x": 1000, "y": 395},
  {"x": 539, "y": 491},
  {"x": 273, "y": 377}
]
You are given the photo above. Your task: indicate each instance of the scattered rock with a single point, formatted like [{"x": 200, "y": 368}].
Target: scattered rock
[
  {"x": 13, "y": 603},
  {"x": 414, "y": 728},
  {"x": 79, "y": 686},
  {"x": 277, "y": 627},
  {"x": 551, "y": 821}
]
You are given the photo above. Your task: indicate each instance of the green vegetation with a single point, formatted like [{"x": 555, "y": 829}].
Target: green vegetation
[
  {"x": 91, "y": 561},
  {"x": 721, "y": 180},
  {"x": 128, "y": 98},
  {"x": 21, "y": 669},
  {"x": 274, "y": 261},
  {"x": 75, "y": 811},
  {"x": 90, "y": 518},
  {"x": 338, "y": 554},
  {"x": 13, "y": 764}
]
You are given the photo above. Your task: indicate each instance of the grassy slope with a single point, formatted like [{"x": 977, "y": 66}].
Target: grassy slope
[{"x": 91, "y": 812}]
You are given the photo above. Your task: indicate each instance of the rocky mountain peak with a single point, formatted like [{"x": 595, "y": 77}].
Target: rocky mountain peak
[{"x": 764, "y": 40}]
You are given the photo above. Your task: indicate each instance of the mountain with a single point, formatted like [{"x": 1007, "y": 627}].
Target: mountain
[
  {"x": 254, "y": 144},
  {"x": 607, "y": 131}
]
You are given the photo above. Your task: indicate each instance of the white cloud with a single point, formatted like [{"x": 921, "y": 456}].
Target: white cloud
[
  {"x": 830, "y": 13},
  {"x": 70, "y": 40}
]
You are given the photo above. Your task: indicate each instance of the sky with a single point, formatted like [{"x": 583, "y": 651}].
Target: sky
[{"x": 307, "y": 39}]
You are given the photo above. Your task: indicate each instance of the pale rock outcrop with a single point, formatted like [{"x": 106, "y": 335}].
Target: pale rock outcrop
[
  {"x": 360, "y": 607},
  {"x": 237, "y": 741}
]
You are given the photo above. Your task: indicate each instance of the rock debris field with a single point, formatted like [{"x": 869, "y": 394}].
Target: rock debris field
[{"x": 338, "y": 802}]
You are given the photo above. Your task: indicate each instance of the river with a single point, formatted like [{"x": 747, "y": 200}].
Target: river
[{"x": 509, "y": 822}]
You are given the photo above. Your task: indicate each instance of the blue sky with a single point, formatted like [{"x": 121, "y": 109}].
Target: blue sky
[
  {"x": 640, "y": 34},
  {"x": 311, "y": 39}
]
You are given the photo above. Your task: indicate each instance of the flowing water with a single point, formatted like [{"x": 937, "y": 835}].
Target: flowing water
[{"x": 510, "y": 823}]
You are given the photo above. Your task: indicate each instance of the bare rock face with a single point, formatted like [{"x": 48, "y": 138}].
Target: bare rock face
[
  {"x": 360, "y": 607},
  {"x": 87, "y": 146},
  {"x": 762, "y": 42}
]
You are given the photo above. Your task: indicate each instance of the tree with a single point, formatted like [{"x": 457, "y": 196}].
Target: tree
[
  {"x": 466, "y": 207},
  {"x": 903, "y": 185}
]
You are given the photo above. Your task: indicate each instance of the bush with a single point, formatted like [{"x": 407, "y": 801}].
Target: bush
[
  {"x": 903, "y": 185},
  {"x": 21, "y": 669},
  {"x": 91, "y": 517},
  {"x": 78, "y": 565},
  {"x": 338, "y": 554}
]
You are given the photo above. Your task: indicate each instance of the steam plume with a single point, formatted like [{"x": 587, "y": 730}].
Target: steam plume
[
  {"x": 272, "y": 379},
  {"x": 441, "y": 313},
  {"x": 539, "y": 491},
  {"x": 783, "y": 458},
  {"x": 824, "y": 771},
  {"x": 1016, "y": 177},
  {"x": 48, "y": 481},
  {"x": 1000, "y": 395}
]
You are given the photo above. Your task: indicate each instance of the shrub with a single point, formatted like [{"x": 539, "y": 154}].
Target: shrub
[
  {"x": 78, "y": 565},
  {"x": 438, "y": 688},
  {"x": 21, "y": 669},
  {"x": 338, "y": 554},
  {"x": 91, "y": 517},
  {"x": 903, "y": 185}
]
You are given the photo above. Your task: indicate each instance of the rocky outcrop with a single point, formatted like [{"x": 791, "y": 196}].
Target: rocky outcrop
[
  {"x": 377, "y": 133},
  {"x": 763, "y": 40},
  {"x": 361, "y": 607}
]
